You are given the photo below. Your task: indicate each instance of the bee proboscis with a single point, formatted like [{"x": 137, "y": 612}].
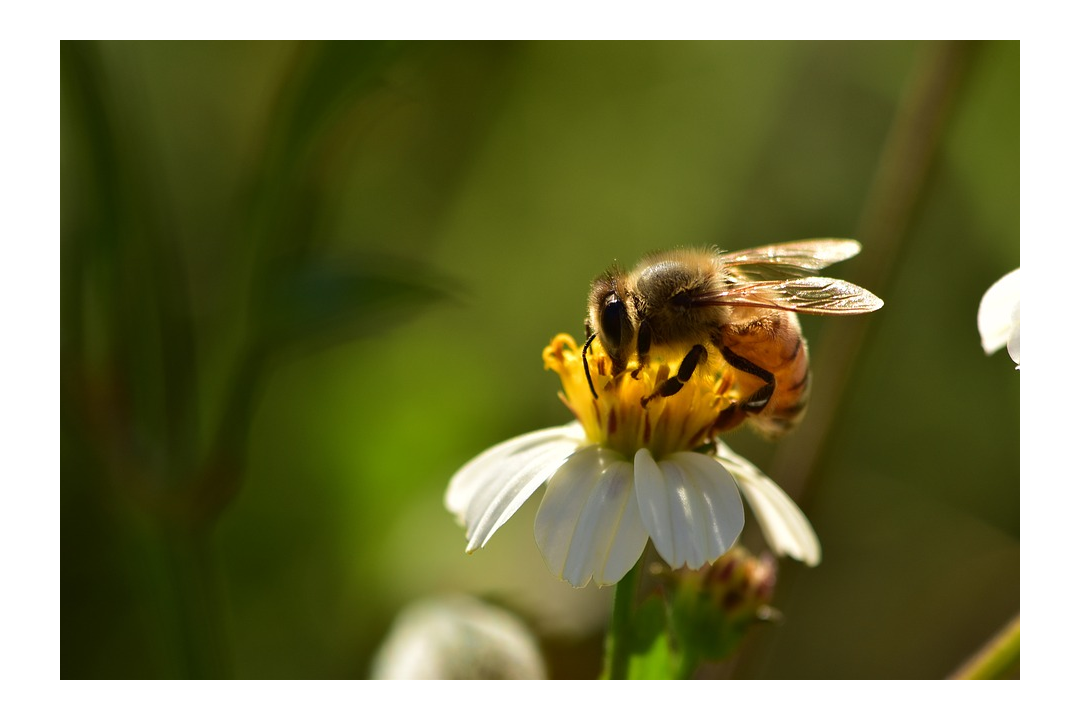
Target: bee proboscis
[{"x": 739, "y": 308}]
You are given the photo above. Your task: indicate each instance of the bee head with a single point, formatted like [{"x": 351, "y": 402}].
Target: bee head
[{"x": 610, "y": 319}]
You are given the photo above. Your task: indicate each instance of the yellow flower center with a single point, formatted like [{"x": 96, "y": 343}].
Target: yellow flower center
[{"x": 627, "y": 413}]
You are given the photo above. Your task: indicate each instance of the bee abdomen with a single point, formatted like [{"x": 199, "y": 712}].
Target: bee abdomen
[
  {"x": 789, "y": 400},
  {"x": 781, "y": 416}
]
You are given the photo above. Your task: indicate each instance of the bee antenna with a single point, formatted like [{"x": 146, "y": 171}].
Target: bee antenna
[{"x": 585, "y": 364}]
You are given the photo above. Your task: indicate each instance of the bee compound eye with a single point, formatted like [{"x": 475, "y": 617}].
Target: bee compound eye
[{"x": 612, "y": 320}]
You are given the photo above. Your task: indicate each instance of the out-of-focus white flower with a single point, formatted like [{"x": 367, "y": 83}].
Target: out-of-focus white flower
[
  {"x": 999, "y": 316},
  {"x": 625, "y": 472},
  {"x": 458, "y": 637}
]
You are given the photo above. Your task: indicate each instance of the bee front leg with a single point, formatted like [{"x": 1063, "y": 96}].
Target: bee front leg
[
  {"x": 674, "y": 384},
  {"x": 756, "y": 402},
  {"x": 644, "y": 342}
]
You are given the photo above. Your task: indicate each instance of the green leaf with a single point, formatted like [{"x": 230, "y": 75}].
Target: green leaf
[{"x": 334, "y": 302}]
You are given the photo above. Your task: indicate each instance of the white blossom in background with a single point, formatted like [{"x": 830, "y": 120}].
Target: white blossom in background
[
  {"x": 999, "y": 316},
  {"x": 458, "y": 637}
]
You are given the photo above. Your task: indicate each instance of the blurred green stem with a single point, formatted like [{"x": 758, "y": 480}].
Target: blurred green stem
[
  {"x": 910, "y": 149},
  {"x": 898, "y": 185},
  {"x": 198, "y": 611},
  {"x": 995, "y": 659},
  {"x": 620, "y": 634}
]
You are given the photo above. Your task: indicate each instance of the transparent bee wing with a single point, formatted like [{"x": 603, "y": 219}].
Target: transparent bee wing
[
  {"x": 810, "y": 295},
  {"x": 800, "y": 258}
]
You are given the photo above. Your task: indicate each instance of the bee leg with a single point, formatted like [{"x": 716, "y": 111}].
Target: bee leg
[
  {"x": 729, "y": 418},
  {"x": 585, "y": 363},
  {"x": 756, "y": 402},
  {"x": 686, "y": 370},
  {"x": 644, "y": 342}
]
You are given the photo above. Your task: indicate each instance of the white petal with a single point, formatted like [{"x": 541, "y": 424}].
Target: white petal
[
  {"x": 690, "y": 506},
  {"x": 1014, "y": 340},
  {"x": 489, "y": 489},
  {"x": 786, "y": 529},
  {"x": 999, "y": 313},
  {"x": 466, "y": 481},
  {"x": 588, "y": 525}
]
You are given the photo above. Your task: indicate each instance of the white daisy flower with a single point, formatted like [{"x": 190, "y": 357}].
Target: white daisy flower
[
  {"x": 623, "y": 473},
  {"x": 458, "y": 637},
  {"x": 999, "y": 316}
]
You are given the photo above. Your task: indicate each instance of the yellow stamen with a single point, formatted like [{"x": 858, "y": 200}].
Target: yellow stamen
[{"x": 618, "y": 419}]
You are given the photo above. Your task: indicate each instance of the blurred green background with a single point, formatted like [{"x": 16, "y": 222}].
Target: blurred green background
[{"x": 302, "y": 283}]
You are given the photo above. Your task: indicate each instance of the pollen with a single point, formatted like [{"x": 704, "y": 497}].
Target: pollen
[{"x": 627, "y": 414}]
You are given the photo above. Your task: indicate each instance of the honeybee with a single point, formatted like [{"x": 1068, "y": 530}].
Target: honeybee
[{"x": 737, "y": 308}]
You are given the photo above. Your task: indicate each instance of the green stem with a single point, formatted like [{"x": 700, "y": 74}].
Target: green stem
[
  {"x": 999, "y": 656},
  {"x": 898, "y": 186},
  {"x": 617, "y": 664},
  {"x": 199, "y": 623}
]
